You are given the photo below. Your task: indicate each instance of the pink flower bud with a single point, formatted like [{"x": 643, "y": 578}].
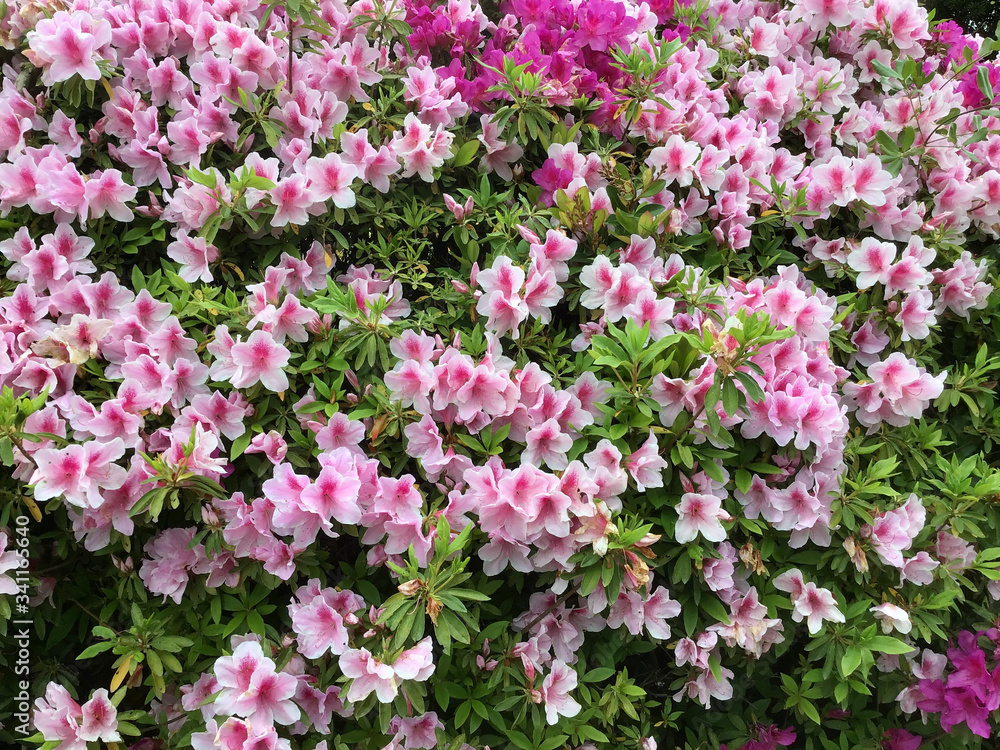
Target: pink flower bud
[
  {"x": 648, "y": 540},
  {"x": 529, "y": 668},
  {"x": 457, "y": 211},
  {"x": 209, "y": 516}
]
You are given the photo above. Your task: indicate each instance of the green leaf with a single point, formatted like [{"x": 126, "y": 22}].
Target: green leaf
[
  {"x": 552, "y": 743},
  {"x": 589, "y": 733},
  {"x": 884, "y": 70},
  {"x": 744, "y": 479},
  {"x": 240, "y": 444},
  {"x": 149, "y": 500},
  {"x": 754, "y": 392},
  {"x": 155, "y": 665},
  {"x": 6, "y": 451},
  {"x": 885, "y": 141},
  {"x": 809, "y": 710},
  {"x": 887, "y": 645},
  {"x": 591, "y": 577},
  {"x": 207, "y": 179},
  {"x": 599, "y": 675},
  {"x": 840, "y": 692},
  {"x": 94, "y": 650},
  {"x": 519, "y": 739},
  {"x": 715, "y": 609},
  {"x": 851, "y": 660},
  {"x": 462, "y": 714},
  {"x": 730, "y": 397},
  {"x": 466, "y": 154},
  {"x": 256, "y": 622},
  {"x": 983, "y": 81}
]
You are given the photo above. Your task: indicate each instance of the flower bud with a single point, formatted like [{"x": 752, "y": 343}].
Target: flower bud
[
  {"x": 409, "y": 588},
  {"x": 648, "y": 540}
]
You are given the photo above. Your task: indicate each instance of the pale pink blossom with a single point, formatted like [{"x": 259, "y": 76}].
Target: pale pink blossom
[
  {"x": 892, "y": 618},
  {"x": 646, "y": 465},
  {"x": 873, "y": 262},
  {"x": 700, "y": 514},
  {"x": 555, "y": 692}
]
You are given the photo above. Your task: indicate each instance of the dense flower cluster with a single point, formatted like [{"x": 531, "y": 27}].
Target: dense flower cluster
[
  {"x": 969, "y": 692},
  {"x": 539, "y": 376}
]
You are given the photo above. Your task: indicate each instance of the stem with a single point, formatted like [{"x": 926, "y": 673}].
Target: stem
[
  {"x": 953, "y": 514},
  {"x": 291, "y": 50},
  {"x": 19, "y": 444},
  {"x": 555, "y": 605},
  {"x": 694, "y": 418},
  {"x": 95, "y": 617}
]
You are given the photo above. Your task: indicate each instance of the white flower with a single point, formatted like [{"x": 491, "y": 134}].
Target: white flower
[{"x": 892, "y": 618}]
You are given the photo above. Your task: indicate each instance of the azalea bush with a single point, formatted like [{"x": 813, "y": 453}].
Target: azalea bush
[{"x": 581, "y": 374}]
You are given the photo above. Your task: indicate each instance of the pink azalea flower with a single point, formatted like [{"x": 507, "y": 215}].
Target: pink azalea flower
[
  {"x": 260, "y": 358},
  {"x": 836, "y": 177},
  {"x": 420, "y": 149},
  {"x": 271, "y": 444},
  {"x": 415, "y": 663},
  {"x": 292, "y": 200},
  {"x": 499, "y": 154},
  {"x": 368, "y": 675},
  {"x": 646, "y": 465},
  {"x": 674, "y": 161},
  {"x": 892, "y": 618},
  {"x": 700, "y": 514},
  {"x": 100, "y": 719},
  {"x": 107, "y": 193},
  {"x": 649, "y": 309},
  {"x": 69, "y": 44},
  {"x": 320, "y": 629},
  {"x": 482, "y": 392},
  {"x": 501, "y": 300},
  {"x": 547, "y": 444},
  {"x": 9, "y": 560},
  {"x": 919, "y": 569},
  {"x": 415, "y": 732},
  {"x": 791, "y": 581},
  {"x": 555, "y": 692},
  {"x": 57, "y": 716},
  {"x": 195, "y": 255},
  {"x": 331, "y": 177},
  {"x": 873, "y": 262},
  {"x": 334, "y": 494},
  {"x": 916, "y": 315},
  {"x": 253, "y": 689},
  {"x": 79, "y": 473},
  {"x": 815, "y": 605},
  {"x": 627, "y": 286}
]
